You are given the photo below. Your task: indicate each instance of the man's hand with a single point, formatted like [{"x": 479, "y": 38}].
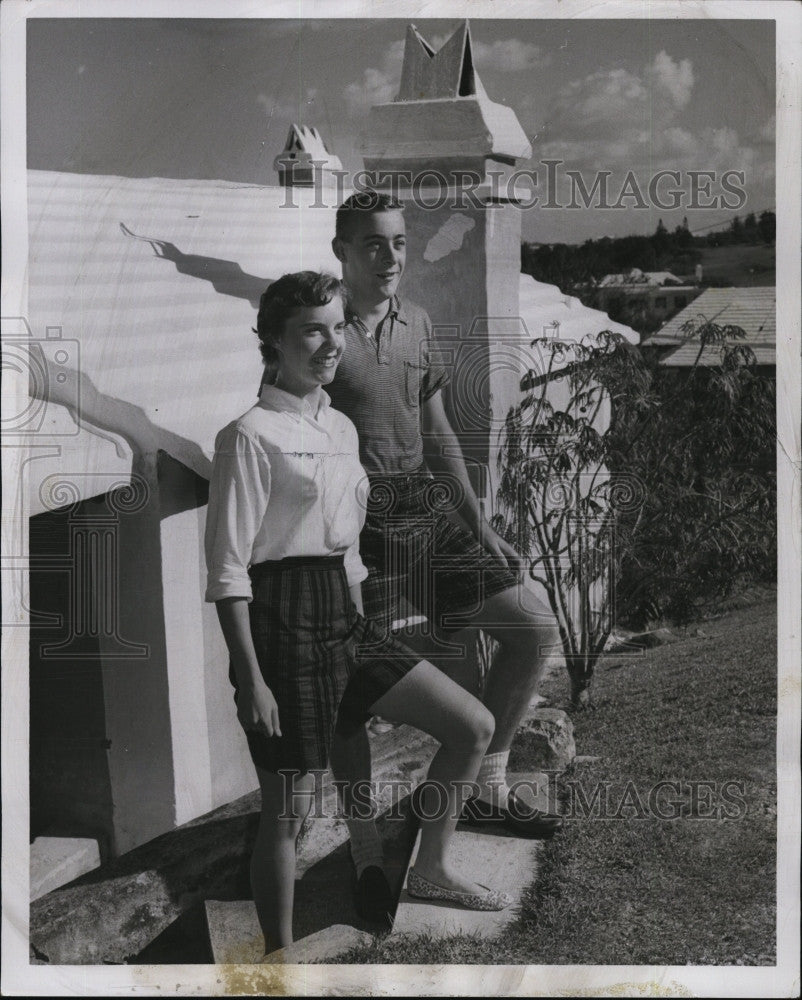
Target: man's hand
[
  {"x": 502, "y": 550},
  {"x": 257, "y": 710},
  {"x": 444, "y": 456}
]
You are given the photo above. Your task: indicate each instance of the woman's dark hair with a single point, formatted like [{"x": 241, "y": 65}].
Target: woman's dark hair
[
  {"x": 279, "y": 301},
  {"x": 359, "y": 205}
]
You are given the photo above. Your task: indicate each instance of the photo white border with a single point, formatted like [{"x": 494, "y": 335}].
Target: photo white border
[{"x": 20, "y": 978}]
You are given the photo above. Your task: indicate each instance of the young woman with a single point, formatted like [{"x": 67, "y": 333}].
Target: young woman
[{"x": 285, "y": 511}]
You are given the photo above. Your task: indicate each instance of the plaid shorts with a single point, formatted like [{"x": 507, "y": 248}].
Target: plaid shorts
[
  {"x": 416, "y": 556},
  {"x": 307, "y": 634}
]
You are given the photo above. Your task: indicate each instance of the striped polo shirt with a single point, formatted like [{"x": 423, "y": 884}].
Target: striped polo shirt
[{"x": 381, "y": 382}]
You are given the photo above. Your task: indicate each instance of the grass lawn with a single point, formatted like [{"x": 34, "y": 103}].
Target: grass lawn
[
  {"x": 622, "y": 885},
  {"x": 740, "y": 265}
]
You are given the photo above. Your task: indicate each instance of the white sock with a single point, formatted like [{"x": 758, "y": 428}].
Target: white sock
[
  {"x": 366, "y": 845},
  {"x": 492, "y": 779}
]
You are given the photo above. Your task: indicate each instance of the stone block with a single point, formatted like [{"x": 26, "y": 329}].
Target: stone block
[
  {"x": 234, "y": 933},
  {"x": 236, "y": 938},
  {"x": 55, "y": 861},
  {"x": 323, "y": 946},
  {"x": 550, "y": 734}
]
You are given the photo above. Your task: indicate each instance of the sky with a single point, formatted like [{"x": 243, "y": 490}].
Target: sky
[{"x": 213, "y": 99}]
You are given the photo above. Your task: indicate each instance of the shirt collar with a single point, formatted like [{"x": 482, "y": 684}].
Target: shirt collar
[
  {"x": 395, "y": 310},
  {"x": 286, "y": 402}
]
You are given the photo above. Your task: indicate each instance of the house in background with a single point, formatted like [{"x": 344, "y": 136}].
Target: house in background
[
  {"x": 751, "y": 309},
  {"x": 654, "y": 295},
  {"x": 142, "y": 298}
]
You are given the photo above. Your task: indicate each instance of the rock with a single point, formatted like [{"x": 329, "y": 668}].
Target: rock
[
  {"x": 322, "y": 946},
  {"x": 550, "y": 734},
  {"x": 55, "y": 861},
  {"x": 631, "y": 641},
  {"x": 657, "y": 637}
]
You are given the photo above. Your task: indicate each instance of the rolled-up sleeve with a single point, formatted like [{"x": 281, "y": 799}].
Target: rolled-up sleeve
[
  {"x": 355, "y": 569},
  {"x": 239, "y": 490},
  {"x": 359, "y": 488}
]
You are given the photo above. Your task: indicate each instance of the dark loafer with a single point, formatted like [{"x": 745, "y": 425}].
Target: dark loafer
[
  {"x": 372, "y": 896},
  {"x": 517, "y": 817}
]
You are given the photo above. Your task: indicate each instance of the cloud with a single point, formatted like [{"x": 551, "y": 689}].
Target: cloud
[
  {"x": 380, "y": 84},
  {"x": 676, "y": 78},
  {"x": 619, "y": 101},
  {"x": 509, "y": 55},
  {"x": 377, "y": 86},
  {"x": 505, "y": 55},
  {"x": 620, "y": 120}
]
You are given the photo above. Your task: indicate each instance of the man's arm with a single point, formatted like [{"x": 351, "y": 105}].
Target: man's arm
[{"x": 444, "y": 455}]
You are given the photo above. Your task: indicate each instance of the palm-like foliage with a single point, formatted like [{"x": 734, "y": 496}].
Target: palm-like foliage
[{"x": 637, "y": 492}]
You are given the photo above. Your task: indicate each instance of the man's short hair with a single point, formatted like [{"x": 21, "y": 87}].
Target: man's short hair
[
  {"x": 359, "y": 205},
  {"x": 303, "y": 289}
]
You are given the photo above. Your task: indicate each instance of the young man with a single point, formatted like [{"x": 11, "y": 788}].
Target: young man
[{"x": 389, "y": 386}]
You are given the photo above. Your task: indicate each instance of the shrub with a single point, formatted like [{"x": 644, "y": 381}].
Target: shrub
[{"x": 637, "y": 492}]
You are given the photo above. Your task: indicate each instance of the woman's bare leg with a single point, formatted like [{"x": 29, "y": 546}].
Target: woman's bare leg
[
  {"x": 427, "y": 699},
  {"x": 285, "y": 804}
]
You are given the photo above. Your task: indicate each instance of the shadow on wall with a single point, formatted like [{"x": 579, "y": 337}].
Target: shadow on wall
[
  {"x": 225, "y": 276},
  {"x": 107, "y": 416}
]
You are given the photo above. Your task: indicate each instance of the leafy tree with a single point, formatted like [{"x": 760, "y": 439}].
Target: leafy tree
[
  {"x": 637, "y": 494},
  {"x": 751, "y": 232},
  {"x": 767, "y": 226}
]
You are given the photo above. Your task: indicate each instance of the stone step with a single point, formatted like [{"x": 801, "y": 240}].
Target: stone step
[
  {"x": 322, "y": 946},
  {"x": 235, "y": 938},
  {"x": 55, "y": 861},
  {"x": 115, "y": 912},
  {"x": 323, "y": 894},
  {"x": 492, "y": 857}
]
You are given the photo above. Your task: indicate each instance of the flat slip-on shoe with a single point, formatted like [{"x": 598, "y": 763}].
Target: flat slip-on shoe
[
  {"x": 517, "y": 817},
  {"x": 422, "y": 888}
]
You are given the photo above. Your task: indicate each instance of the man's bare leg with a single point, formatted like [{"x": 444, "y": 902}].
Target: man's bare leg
[{"x": 527, "y": 634}]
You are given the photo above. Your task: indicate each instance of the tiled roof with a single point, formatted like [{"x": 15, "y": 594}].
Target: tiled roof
[
  {"x": 158, "y": 282},
  {"x": 752, "y": 309}
]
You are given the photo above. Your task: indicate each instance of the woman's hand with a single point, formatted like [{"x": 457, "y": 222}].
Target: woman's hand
[
  {"x": 257, "y": 710},
  {"x": 256, "y": 707}
]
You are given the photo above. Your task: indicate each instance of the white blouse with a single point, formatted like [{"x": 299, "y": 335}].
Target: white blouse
[{"x": 286, "y": 481}]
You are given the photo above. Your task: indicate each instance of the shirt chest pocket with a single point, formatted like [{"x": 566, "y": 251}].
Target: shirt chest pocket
[{"x": 413, "y": 377}]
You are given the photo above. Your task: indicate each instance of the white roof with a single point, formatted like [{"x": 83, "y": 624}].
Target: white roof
[
  {"x": 154, "y": 284},
  {"x": 637, "y": 277}
]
